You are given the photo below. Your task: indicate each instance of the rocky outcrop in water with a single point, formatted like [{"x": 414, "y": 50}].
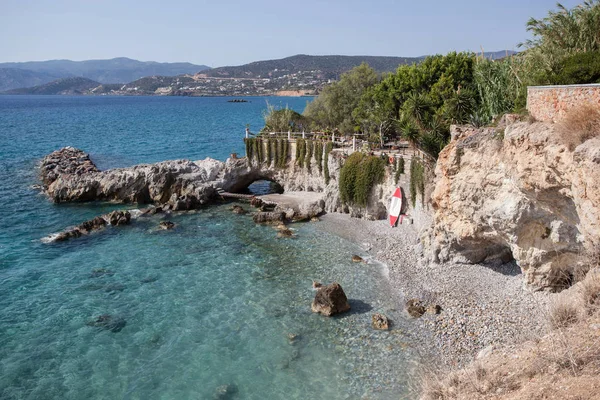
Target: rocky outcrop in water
[
  {"x": 114, "y": 218},
  {"x": 69, "y": 175},
  {"x": 518, "y": 193},
  {"x": 330, "y": 300}
]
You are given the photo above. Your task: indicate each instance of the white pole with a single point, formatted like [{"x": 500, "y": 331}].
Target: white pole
[
  {"x": 247, "y": 133},
  {"x": 289, "y": 135},
  {"x": 303, "y": 135},
  {"x": 353, "y": 143},
  {"x": 333, "y": 137}
]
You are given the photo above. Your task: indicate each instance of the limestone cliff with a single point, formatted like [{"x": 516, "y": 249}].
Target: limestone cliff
[{"x": 517, "y": 192}]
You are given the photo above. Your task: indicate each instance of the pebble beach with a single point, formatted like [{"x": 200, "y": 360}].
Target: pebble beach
[{"x": 483, "y": 307}]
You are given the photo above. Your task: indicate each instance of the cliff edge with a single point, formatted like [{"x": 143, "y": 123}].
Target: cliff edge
[{"x": 521, "y": 191}]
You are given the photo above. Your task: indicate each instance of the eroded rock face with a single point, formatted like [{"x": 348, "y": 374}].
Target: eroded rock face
[
  {"x": 522, "y": 195},
  {"x": 330, "y": 300}
]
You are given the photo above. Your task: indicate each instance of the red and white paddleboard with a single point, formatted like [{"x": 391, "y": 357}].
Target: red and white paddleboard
[{"x": 395, "y": 207}]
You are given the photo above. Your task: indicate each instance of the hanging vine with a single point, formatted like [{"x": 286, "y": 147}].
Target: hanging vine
[
  {"x": 300, "y": 152},
  {"x": 358, "y": 176},
  {"x": 285, "y": 151},
  {"x": 399, "y": 169},
  {"x": 319, "y": 156},
  {"x": 328, "y": 148},
  {"x": 248, "y": 144},
  {"x": 417, "y": 181},
  {"x": 309, "y": 153}
]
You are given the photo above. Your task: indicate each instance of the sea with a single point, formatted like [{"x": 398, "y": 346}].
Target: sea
[{"x": 218, "y": 308}]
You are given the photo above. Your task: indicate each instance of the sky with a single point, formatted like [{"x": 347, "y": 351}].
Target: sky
[{"x": 221, "y": 32}]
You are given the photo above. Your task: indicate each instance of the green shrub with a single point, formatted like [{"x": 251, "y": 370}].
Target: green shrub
[
  {"x": 579, "y": 69},
  {"x": 417, "y": 180},
  {"x": 358, "y": 176}
]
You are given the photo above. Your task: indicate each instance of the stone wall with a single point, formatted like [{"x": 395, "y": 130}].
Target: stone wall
[{"x": 550, "y": 103}]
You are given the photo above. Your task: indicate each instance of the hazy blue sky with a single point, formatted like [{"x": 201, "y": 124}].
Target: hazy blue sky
[{"x": 221, "y": 32}]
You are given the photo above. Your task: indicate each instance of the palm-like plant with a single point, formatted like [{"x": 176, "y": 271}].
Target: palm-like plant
[
  {"x": 417, "y": 107},
  {"x": 562, "y": 33}
]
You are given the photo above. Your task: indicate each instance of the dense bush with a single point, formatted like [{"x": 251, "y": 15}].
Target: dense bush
[
  {"x": 580, "y": 68},
  {"x": 358, "y": 176},
  {"x": 283, "y": 120},
  {"x": 333, "y": 108}
]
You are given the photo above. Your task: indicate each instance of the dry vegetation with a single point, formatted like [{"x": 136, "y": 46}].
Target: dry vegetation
[
  {"x": 564, "y": 364},
  {"x": 580, "y": 124}
]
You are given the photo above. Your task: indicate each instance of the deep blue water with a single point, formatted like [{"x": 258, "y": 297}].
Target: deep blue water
[{"x": 209, "y": 304}]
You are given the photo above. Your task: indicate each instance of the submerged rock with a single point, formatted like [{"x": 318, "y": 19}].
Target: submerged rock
[
  {"x": 114, "y": 218},
  {"x": 330, "y": 300},
  {"x": 166, "y": 225},
  {"x": 380, "y": 322},
  {"x": 238, "y": 210},
  {"x": 149, "y": 279},
  {"x": 108, "y": 322},
  {"x": 285, "y": 233},
  {"x": 357, "y": 259},
  {"x": 225, "y": 392},
  {"x": 415, "y": 308},
  {"x": 268, "y": 217},
  {"x": 118, "y": 217},
  {"x": 98, "y": 272},
  {"x": 256, "y": 202}
]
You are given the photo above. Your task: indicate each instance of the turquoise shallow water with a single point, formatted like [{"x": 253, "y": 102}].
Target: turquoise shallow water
[{"x": 211, "y": 303}]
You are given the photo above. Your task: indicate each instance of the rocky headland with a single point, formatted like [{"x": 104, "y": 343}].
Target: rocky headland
[{"x": 506, "y": 213}]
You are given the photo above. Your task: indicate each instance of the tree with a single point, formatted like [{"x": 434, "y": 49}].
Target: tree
[
  {"x": 334, "y": 106},
  {"x": 282, "y": 120}
]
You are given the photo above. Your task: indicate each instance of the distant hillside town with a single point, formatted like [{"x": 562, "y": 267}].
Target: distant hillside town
[{"x": 300, "y": 75}]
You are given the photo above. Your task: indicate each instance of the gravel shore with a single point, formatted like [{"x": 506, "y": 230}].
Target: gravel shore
[{"x": 482, "y": 305}]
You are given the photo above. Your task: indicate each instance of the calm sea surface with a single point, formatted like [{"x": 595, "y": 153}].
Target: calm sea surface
[{"x": 209, "y": 307}]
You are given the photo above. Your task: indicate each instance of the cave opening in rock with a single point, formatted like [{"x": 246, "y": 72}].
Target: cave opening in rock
[
  {"x": 501, "y": 260},
  {"x": 262, "y": 187}
]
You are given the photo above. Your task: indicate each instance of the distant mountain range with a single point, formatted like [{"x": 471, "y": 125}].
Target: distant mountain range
[
  {"x": 116, "y": 70},
  {"x": 302, "y": 74},
  {"x": 331, "y": 67}
]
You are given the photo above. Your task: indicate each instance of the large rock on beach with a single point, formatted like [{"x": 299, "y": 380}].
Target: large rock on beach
[
  {"x": 330, "y": 300},
  {"x": 380, "y": 322}
]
